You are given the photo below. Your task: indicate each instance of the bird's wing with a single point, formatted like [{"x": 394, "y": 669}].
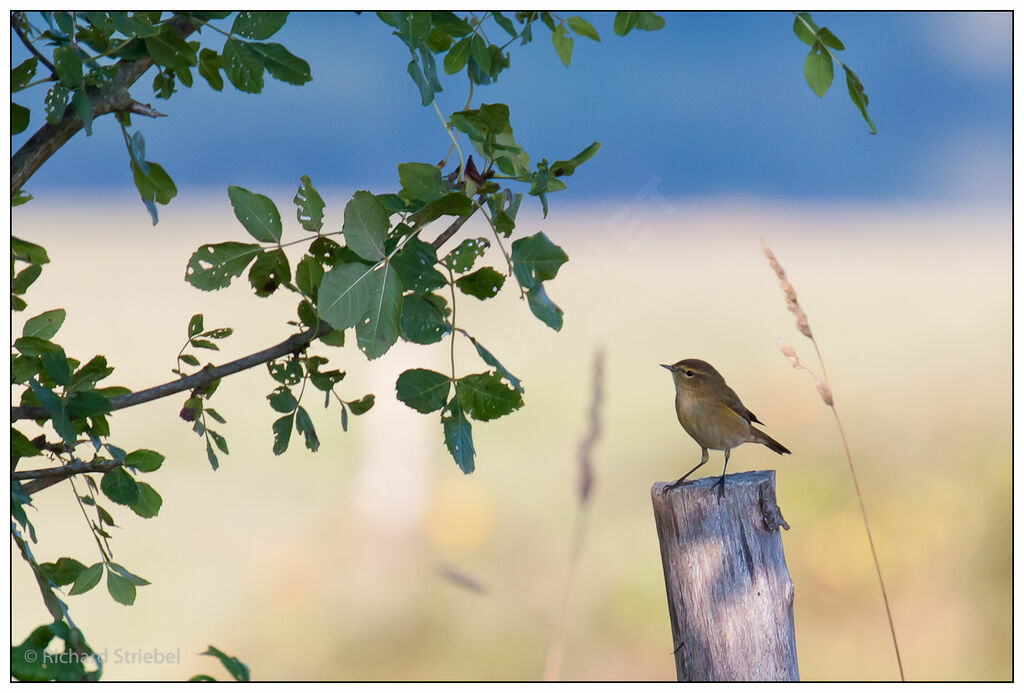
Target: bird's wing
[{"x": 732, "y": 401}]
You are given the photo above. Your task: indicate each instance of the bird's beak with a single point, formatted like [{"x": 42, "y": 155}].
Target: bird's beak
[{"x": 664, "y": 366}]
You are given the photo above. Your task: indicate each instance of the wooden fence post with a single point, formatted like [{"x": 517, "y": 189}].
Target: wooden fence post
[{"x": 730, "y": 597}]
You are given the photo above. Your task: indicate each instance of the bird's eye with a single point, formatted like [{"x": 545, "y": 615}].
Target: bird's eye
[{"x": 689, "y": 374}]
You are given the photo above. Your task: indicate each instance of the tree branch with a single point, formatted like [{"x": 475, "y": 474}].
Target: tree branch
[
  {"x": 16, "y": 25},
  {"x": 454, "y": 228},
  {"x": 203, "y": 378},
  {"x": 114, "y": 97}
]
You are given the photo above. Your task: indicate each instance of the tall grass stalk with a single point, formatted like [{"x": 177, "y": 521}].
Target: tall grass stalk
[
  {"x": 824, "y": 388},
  {"x": 556, "y": 648}
]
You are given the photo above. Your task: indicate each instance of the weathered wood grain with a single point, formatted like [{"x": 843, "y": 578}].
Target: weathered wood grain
[{"x": 730, "y": 595}]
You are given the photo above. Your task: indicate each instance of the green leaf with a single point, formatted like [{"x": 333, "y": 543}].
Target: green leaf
[
  {"x": 461, "y": 259},
  {"x": 144, "y": 460},
  {"x": 535, "y": 259},
  {"x": 805, "y": 28},
  {"x": 168, "y": 49},
  {"x": 818, "y": 71},
  {"x": 415, "y": 266},
  {"x": 257, "y": 213},
  {"x": 830, "y": 39},
  {"x": 489, "y": 129},
  {"x": 195, "y": 325},
  {"x": 450, "y": 23},
  {"x": 457, "y": 56},
  {"x": 210, "y": 64},
  {"x": 205, "y": 343},
  {"x": 45, "y": 325},
  {"x": 153, "y": 183},
  {"x": 56, "y": 102},
  {"x": 211, "y": 456},
  {"x": 423, "y": 390},
  {"x": 127, "y": 574},
  {"x": 563, "y": 44},
  {"x": 258, "y": 25},
  {"x": 22, "y": 75},
  {"x": 69, "y": 66},
  {"x": 87, "y": 579},
  {"x": 505, "y": 23},
  {"x": 288, "y": 372},
  {"x": 189, "y": 359},
  {"x": 308, "y": 275},
  {"x": 282, "y": 400},
  {"x": 543, "y": 307},
  {"x": 304, "y": 425},
  {"x": 483, "y": 284},
  {"x": 422, "y": 321},
  {"x": 214, "y": 266},
  {"x": 366, "y": 225},
  {"x": 649, "y": 21},
  {"x": 243, "y": 67},
  {"x": 344, "y": 295},
  {"x": 859, "y": 97},
  {"x": 624, "y": 23},
  {"x": 421, "y": 81},
  {"x": 64, "y": 572},
  {"x": 120, "y": 487},
  {"x": 582, "y": 27},
  {"x": 283, "y": 432},
  {"x": 270, "y": 271},
  {"x": 481, "y": 55},
  {"x": 281, "y": 64},
  {"x": 421, "y": 183},
  {"x": 21, "y": 446},
  {"x": 49, "y": 399},
  {"x": 19, "y": 118},
  {"x": 17, "y": 199},
  {"x": 235, "y": 667},
  {"x": 361, "y": 406},
  {"x": 120, "y": 588},
  {"x": 458, "y": 435},
  {"x": 484, "y": 396},
  {"x": 380, "y": 327},
  {"x": 149, "y": 502},
  {"x": 568, "y": 167},
  {"x": 309, "y": 206},
  {"x": 55, "y": 363},
  {"x": 131, "y": 26}
]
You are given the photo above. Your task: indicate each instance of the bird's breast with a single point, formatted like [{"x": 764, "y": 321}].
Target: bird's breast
[{"x": 712, "y": 424}]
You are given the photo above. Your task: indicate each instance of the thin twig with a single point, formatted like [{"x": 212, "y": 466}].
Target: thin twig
[{"x": 16, "y": 25}]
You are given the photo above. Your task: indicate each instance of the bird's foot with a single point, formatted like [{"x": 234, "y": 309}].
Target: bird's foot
[{"x": 721, "y": 488}]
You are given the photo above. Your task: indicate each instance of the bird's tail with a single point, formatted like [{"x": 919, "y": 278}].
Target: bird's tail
[{"x": 769, "y": 442}]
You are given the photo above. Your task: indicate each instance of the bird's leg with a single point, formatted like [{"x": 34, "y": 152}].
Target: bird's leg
[
  {"x": 703, "y": 461},
  {"x": 721, "y": 482}
]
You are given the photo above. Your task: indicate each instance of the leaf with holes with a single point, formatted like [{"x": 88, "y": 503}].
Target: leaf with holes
[{"x": 213, "y": 266}]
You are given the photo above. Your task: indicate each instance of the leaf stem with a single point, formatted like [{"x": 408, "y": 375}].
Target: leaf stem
[{"x": 455, "y": 142}]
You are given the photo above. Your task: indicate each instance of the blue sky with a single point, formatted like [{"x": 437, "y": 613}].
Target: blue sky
[{"x": 715, "y": 104}]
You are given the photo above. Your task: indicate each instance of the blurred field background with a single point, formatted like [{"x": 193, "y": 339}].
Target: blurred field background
[{"x": 328, "y": 565}]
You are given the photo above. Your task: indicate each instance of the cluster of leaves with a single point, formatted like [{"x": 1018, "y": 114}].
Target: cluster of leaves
[
  {"x": 819, "y": 69},
  {"x": 466, "y": 47},
  {"x": 195, "y": 410},
  {"x": 386, "y": 283},
  {"x": 90, "y": 46}
]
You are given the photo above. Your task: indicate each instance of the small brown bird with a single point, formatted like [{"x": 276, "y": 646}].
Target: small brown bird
[{"x": 713, "y": 415}]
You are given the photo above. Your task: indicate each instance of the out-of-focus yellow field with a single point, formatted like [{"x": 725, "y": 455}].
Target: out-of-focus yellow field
[{"x": 328, "y": 565}]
